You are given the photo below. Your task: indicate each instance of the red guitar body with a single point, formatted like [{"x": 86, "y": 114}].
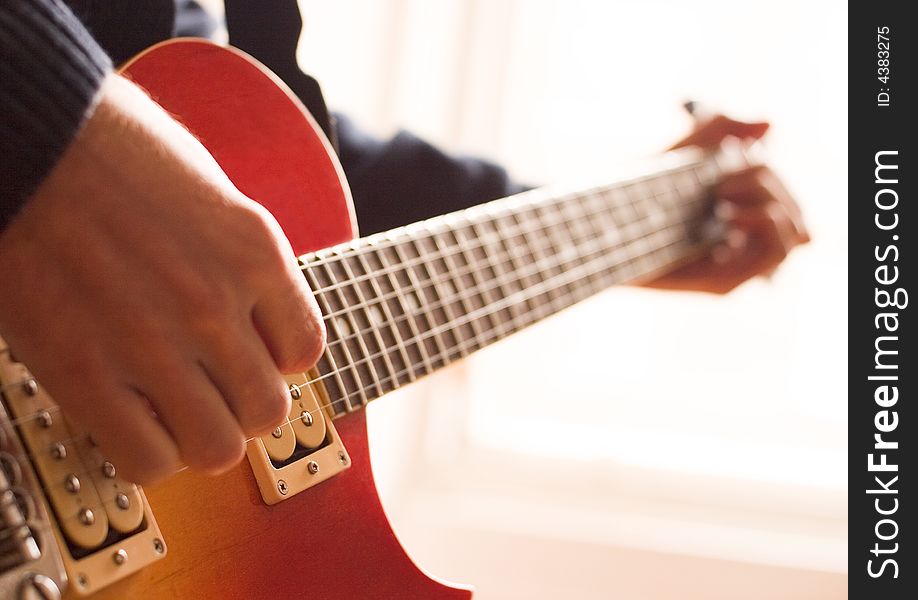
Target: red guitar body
[{"x": 332, "y": 541}]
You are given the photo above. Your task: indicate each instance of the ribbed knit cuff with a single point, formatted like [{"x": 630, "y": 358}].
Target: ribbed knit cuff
[{"x": 50, "y": 71}]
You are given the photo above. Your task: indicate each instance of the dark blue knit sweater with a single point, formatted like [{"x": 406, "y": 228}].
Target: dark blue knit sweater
[{"x": 53, "y": 58}]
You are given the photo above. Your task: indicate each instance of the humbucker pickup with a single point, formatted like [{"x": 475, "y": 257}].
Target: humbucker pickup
[
  {"x": 77, "y": 524},
  {"x": 302, "y": 452}
]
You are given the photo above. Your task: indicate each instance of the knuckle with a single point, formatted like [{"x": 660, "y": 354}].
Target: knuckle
[
  {"x": 210, "y": 307},
  {"x": 153, "y": 465},
  {"x": 202, "y": 298},
  {"x": 303, "y": 351},
  {"x": 217, "y": 454},
  {"x": 761, "y": 176},
  {"x": 268, "y": 408},
  {"x": 262, "y": 231}
]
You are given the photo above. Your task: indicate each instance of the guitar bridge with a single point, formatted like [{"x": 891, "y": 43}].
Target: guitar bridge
[
  {"x": 89, "y": 528},
  {"x": 304, "y": 451}
]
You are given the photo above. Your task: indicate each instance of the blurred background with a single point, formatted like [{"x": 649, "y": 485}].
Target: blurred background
[{"x": 643, "y": 444}]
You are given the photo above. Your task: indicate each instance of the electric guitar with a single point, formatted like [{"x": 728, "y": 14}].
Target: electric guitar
[{"x": 301, "y": 517}]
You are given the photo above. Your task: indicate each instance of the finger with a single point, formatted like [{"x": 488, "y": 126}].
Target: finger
[
  {"x": 758, "y": 240},
  {"x": 780, "y": 193},
  {"x": 245, "y": 374},
  {"x": 121, "y": 423},
  {"x": 745, "y": 188},
  {"x": 290, "y": 323},
  {"x": 204, "y": 429},
  {"x": 771, "y": 236},
  {"x": 711, "y": 133},
  {"x": 758, "y": 185}
]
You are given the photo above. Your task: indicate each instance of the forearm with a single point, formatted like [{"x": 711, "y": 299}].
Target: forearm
[
  {"x": 50, "y": 73},
  {"x": 405, "y": 179}
]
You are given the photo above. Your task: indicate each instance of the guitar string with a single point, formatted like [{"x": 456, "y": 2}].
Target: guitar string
[
  {"x": 103, "y": 503},
  {"x": 480, "y": 314},
  {"x": 519, "y": 276},
  {"x": 432, "y": 281},
  {"x": 349, "y": 249},
  {"x": 554, "y": 261},
  {"x": 454, "y": 324},
  {"x": 328, "y": 405},
  {"x": 393, "y": 269},
  {"x": 420, "y": 260},
  {"x": 444, "y": 300},
  {"x": 496, "y": 209},
  {"x": 471, "y": 341}
]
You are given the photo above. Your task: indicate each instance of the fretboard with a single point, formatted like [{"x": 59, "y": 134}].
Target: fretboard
[{"x": 402, "y": 304}]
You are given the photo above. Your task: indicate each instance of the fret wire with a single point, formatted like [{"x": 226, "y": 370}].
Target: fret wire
[
  {"x": 339, "y": 252},
  {"x": 532, "y": 291},
  {"x": 346, "y": 398},
  {"x": 444, "y": 302},
  {"x": 466, "y": 249},
  {"x": 510, "y": 280},
  {"x": 601, "y": 255},
  {"x": 352, "y": 364},
  {"x": 603, "y": 223},
  {"x": 573, "y": 211},
  {"x": 422, "y": 300},
  {"x": 500, "y": 276},
  {"x": 686, "y": 184},
  {"x": 563, "y": 276},
  {"x": 361, "y": 341},
  {"x": 599, "y": 258},
  {"x": 521, "y": 276},
  {"x": 389, "y": 320},
  {"x": 328, "y": 354},
  {"x": 637, "y": 199},
  {"x": 477, "y": 229},
  {"x": 457, "y": 284},
  {"x": 521, "y": 273},
  {"x": 516, "y": 229},
  {"x": 409, "y": 315},
  {"x": 538, "y": 250}
]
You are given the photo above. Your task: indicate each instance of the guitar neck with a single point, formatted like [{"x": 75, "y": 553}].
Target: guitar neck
[{"x": 402, "y": 304}]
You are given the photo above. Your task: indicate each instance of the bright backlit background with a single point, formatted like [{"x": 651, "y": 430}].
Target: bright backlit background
[{"x": 643, "y": 444}]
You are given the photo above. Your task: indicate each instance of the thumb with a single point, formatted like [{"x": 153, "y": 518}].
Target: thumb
[{"x": 710, "y": 133}]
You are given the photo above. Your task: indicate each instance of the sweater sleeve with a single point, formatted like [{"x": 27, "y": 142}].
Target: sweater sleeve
[
  {"x": 405, "y": 179},
  {"x": 50, "y": 71}
]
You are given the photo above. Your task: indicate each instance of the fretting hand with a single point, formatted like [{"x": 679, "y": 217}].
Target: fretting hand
[{"x": 764, "y": 222}]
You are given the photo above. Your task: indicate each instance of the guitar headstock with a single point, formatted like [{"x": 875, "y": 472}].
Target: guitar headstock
[{"x": 67, "y": 521}]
